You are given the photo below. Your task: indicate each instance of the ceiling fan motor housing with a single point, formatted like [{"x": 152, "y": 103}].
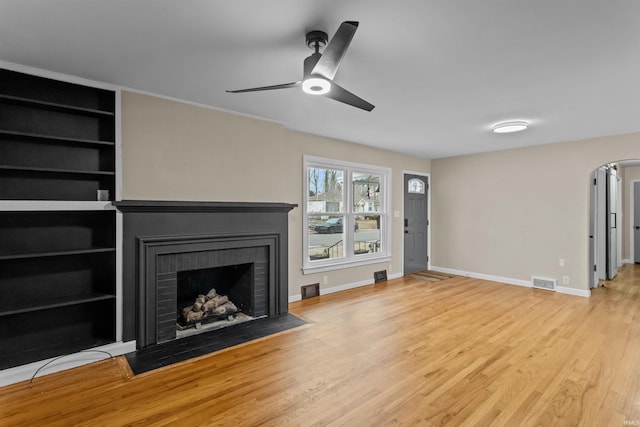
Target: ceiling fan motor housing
[{"x": 317, "y": 39}]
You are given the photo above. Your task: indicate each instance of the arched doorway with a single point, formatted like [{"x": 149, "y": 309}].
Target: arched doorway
[{"x": 615, "y": 213}]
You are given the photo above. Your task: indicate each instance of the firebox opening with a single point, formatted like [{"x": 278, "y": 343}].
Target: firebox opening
[{"x": 228, "y": 297}]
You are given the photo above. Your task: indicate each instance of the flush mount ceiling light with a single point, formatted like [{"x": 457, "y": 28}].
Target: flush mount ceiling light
[
  {"x": 509, "y": 127},
  {"x": 316, "y": 86}
]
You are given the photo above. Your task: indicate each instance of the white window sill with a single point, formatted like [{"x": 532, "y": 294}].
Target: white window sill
[{"x": 343, "y": 263}]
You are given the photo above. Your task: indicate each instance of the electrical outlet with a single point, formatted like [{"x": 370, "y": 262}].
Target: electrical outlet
[
  {"x": 325, "y": 280},
  {"x": 565, "y": 280},
  {"x": 561, "y": 262}
]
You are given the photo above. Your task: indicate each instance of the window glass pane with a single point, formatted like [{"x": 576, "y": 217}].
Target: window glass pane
[
  {"x": 367, "y": 235},
  {"x": 366, "y": 192},
  {"x": 416, "y": 186},
  {"x": 326, "y": 190},
  {"x": 346, "y": 205},
  {"x": 325, "y": 237}
]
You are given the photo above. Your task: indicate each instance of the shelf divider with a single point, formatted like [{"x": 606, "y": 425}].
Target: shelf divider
[
  {"x": 16, "y": 100},
  {"x": 56, "y": 171},
  {"x": 57, "y": 139},
  {"x": 55, "y": 303},
  {"x": 55, "y": 253}
]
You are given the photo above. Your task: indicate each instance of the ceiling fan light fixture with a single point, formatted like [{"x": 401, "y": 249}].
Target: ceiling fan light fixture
[
  {"x": 510, "y": 127},
  {"x": 316, "y": 86}
]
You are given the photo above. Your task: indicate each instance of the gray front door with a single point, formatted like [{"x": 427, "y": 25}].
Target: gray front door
[
  {"x": 636, "y": 222},
  {"x": 416, "y": 189}
]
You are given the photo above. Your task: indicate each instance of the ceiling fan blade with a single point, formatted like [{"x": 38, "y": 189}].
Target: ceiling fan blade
[
  {"x": 332, "y": 56},
  {"x": 256, "y": 89},
  {"x": 340, "y": 94}
]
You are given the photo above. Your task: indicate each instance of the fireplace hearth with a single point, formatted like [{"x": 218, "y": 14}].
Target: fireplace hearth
[
  {"x": 168, "y": 353},
  {"x": 175, "y": 251}
]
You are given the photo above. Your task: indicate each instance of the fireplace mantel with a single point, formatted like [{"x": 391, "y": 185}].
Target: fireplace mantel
[{"x": 147, "y": 222}]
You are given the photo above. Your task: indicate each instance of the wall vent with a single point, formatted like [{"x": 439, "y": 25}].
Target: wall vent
[
  {"x": 309, "y": 291},
  {"x": 544, "y": 283},
  {"x": 380, "y": 276}
]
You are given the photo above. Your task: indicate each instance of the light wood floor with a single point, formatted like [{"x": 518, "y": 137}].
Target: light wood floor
[{"x": 458, "y": 352}]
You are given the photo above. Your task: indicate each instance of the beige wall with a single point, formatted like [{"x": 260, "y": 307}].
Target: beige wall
[
  {"x": 177, "y": 151},
  {"x": 515, "y": 213}
]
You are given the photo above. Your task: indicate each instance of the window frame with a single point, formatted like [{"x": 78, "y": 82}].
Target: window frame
[{"x": 349, "y": 259}]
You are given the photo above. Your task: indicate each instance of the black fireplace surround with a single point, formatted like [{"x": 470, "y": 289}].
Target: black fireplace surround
[{"x": 163, "y": 239}]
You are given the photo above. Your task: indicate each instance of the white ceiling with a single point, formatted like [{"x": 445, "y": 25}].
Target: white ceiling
[{"x": 440, "y": 72}]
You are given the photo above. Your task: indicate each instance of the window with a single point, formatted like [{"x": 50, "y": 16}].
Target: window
[
  {"x": 346, "y": 218},
  {"x": 415, "y": 185}
]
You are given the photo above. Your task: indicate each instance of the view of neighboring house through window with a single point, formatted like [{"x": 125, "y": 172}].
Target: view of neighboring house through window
[{"x": 346, "y": 214}]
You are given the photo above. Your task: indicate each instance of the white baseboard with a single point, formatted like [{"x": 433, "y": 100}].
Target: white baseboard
[
  {"x": 572, "y": 291},
  {"x": 26, "y": 372},
  {"x": 298, "y": 297},
  {"x": 627, "y": 261},
  {"x": 507, "y": 280},
  {"x": 510, "y": 281}
]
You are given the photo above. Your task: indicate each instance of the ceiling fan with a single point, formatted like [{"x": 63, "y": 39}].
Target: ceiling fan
[{"x": 320, "y": 68}]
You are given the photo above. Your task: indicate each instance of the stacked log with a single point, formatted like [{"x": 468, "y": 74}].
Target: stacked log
[{"x": 208, "y": 305}]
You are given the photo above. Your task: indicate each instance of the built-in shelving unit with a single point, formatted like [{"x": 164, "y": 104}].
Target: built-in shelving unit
[{"x": 57, "y": 241}]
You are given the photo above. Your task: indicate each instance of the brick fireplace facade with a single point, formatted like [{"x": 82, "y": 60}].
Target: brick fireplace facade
[{"x": 163, "y": 239}]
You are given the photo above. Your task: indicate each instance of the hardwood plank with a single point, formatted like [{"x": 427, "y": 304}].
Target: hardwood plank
[{"x": 460, "y": 351}]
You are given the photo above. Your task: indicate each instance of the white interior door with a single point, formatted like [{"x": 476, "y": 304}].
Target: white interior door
[
  {"x": 593, "y": 242},
  {"x": 620, "y": 219},
  {"x": 601, "y": 224},
  {"x": 612, "y": 225}
]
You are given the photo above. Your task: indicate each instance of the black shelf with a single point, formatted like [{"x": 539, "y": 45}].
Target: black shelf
[
  {"x": 55, "y": 233},
  {"x": 57, "y": 139},
  {"x": 43, "y": 89},
  {"x": 56, "y": 254},
  {"x": 55, "y": 171},
  {"x": 38, "y": 330},
  {"x": 7, "y": 134},
  {"x": 44, "y": 282},
  {"x": 34, "y": 354},
  {"x": 57, "y": 266},
  {"x": 16, "y": 185},
  {"x": 15, "y": 100},
  {"x": 55, "y": 303},
  {"x": 56, "y": 123}
]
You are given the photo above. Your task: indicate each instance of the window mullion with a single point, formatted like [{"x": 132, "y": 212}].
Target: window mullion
[{"x": 348, "y": 227}]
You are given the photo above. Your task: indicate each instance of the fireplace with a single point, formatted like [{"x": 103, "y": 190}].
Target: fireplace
[
  {"x": 175, "y": 251},
  {"x": 236, "y": 284},
  {"x": 179, "y": 268}
]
